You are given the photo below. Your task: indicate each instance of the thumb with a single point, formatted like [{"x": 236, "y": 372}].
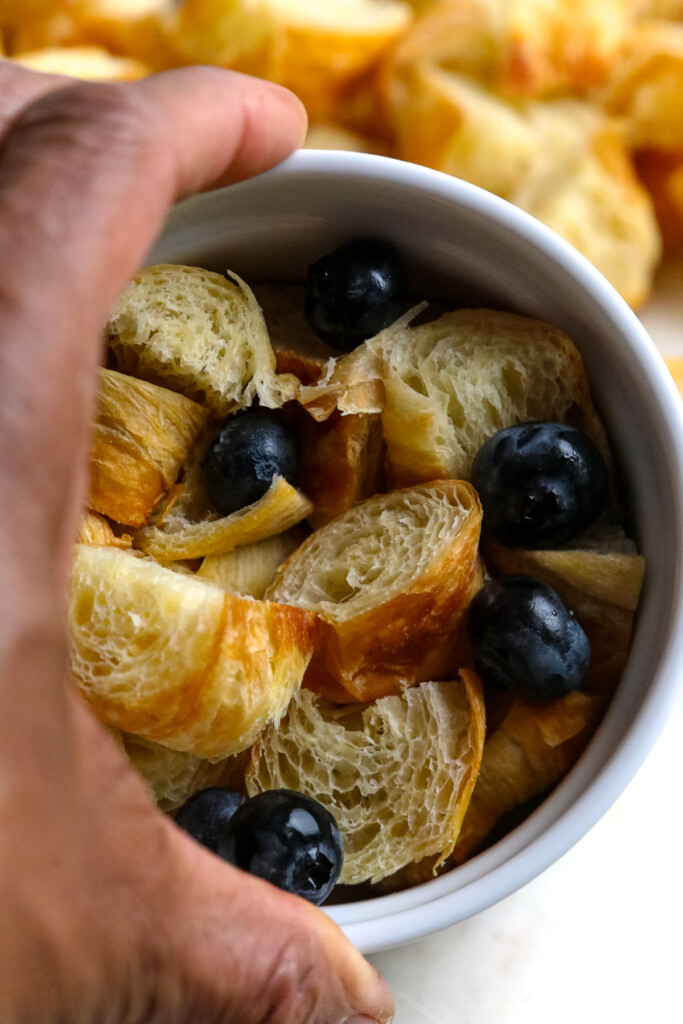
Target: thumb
[{"x": 247, "y": 953}]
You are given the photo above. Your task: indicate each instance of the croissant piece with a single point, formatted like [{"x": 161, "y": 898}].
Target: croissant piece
[
  {"x": 182, "y": 534},
  {"x": 143, "y": 435},
  {"x": 645, "y": 87},
  {"x": 563, "y": 161},
  {"x": 660, "y": 9},
  {"x": 397, "y": 775},
  {"x": 521, "y": 48},
  {"x": 391, "y": 579},
  {"x": 340, "y": 460},
  {"x": 249, "y": 570},
  {"x": 350, "y": 385},
  {"x": 177, "y": 660},
  {"x": 321, "y": 50},
  {"x": 138, "y": 28},
  {"x": 452, "y": 383},
  {"x": 95, "y": 530},
  {"x": 528, "y": 754},
  {"x": 602, "y": 588},
  {"x": 239, "y": 34},
  {"x": 198, "y": 333},
  {"x": 596, "y": 202},
  {"x": 172, "y": 775}
]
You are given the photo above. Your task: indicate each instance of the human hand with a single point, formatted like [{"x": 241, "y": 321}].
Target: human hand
[{"x": 109, "y": 912}]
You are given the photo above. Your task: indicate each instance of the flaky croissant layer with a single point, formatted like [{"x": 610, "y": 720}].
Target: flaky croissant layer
[
  {"x": 391, "y": 580},
  {"x": 178, "y": 660}
]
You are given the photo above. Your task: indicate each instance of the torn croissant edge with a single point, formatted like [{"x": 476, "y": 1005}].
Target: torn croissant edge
[
  {"x": 524, "y": 759},
  {"x": 201, "y": 334},
  {"x": 353, "y": 383},
  {"x": 142, "y": 437},
  {"x": 397, "y": 774},
  {"x": 250, "y": 569},
  {"x": 528, "y": 755},
  {"x": 173, "y": 775},
  {"x": 96, "y": 531},
  {"x": 341, "y": 460},
  {"x": 281, "y": 507}
]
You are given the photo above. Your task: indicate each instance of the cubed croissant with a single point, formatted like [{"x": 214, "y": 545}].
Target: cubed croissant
[
  {"x": 172, "y": 775},
  {"x": 321, "y": 50},
  {"x": 250, "y": 569},
  {"x": 178, "y": 660},
  {"x": 525, "y": 757},
  {"x": 142, "y": 437},
  {"x": 520, "y": 48},
  {"x": 198, "y": 333},
  {"x": 340, "y": 459},
  {"x": 397, "y": 775},
  {"x": 391, "y": 580},
  {"x": 452, "y": 383},
  {"x": 97, "y": 531},
  {"x": 563, "y": 161},
  {"x": 645, "y": 87}
]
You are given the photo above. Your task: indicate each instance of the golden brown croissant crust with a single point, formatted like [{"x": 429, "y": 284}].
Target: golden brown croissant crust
[
  {"x": 142, "y": 437},
  {"x": 390, "y": 579},
  {"x": 178, "y": 660}
]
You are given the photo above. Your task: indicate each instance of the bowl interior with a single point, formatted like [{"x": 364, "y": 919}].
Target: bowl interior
[{"x": 469, "y": 248}]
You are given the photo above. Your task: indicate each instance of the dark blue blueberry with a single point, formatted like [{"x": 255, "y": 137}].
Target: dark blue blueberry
[
  {"x": 355, "y": 292},
  {"x": 540, "y": 484},
  {"x": 526, "y": 640},
  {"x": 289, "y": 839},
  {"x": 250, "y": 450},
  {"x": 206, "y": 813}
]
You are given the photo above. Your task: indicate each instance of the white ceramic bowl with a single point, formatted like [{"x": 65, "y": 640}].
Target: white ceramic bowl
[{"x": 468, "y": 246}]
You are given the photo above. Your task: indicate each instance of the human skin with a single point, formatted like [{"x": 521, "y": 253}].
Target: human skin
[{"x": 108, "y": 912}]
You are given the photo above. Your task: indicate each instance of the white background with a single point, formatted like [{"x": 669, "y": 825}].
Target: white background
[{"x": 598, "y": 938}]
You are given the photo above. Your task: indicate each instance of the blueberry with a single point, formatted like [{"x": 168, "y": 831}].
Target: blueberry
[
  {"x": 289, "y": 839},
  {"x": 355, "y": 292},
  {"x": 540, "y": 484},
  {"x": 205, "y": 814},
  {"x": 526, "y": 640},
  {"x": 249, "y": 451}
]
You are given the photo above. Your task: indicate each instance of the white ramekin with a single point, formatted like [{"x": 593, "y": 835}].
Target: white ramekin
[{"x": 465, "y": 245}]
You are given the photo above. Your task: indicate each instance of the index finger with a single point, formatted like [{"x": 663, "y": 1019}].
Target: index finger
[{"x": 20, "y": 87}]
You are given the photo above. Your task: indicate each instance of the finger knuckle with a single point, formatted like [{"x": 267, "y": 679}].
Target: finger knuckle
[
  {"x": 96, "y": 121},
  {"x": 296, "y": 985}
]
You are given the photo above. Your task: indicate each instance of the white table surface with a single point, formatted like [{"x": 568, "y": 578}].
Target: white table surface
[{"x": 597, "y": 938}]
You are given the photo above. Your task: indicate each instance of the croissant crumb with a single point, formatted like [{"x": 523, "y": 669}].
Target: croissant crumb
[{"x": 397, "y": 775}]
